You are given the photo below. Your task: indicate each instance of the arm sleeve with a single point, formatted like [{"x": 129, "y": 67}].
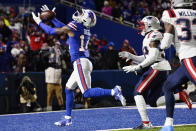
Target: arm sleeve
[
  {"x": 166, "y": 17},
  {"x": 137, "y": 59},
  {"x": 49, "y": 30},
  {"x": 57, "y": 23},
  {"x": 73, "y": 26},
  {"x": 166, "y": 41},
  {"x": 151, "y": 58}
]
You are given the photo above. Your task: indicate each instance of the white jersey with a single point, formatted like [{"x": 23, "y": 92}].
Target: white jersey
[
  {"x": 161, "y": 63},
  {"x": 184, "y": 22}
]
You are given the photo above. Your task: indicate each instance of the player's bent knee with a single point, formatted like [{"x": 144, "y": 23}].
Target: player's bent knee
[
  {"x": 86, "y": 94},
  {"x": 167, "y": 87}
]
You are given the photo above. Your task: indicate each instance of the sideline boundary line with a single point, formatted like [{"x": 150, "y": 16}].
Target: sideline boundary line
[
  {"x": 152, "y": 128},
  {"x": 177, "y": 105}
]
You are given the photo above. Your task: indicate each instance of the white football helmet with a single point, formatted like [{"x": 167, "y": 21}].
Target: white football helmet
[
  {"x": 181, "y": 3},
  {"x": 86, "y": 17},
  {"x": 148, "y": 23}
]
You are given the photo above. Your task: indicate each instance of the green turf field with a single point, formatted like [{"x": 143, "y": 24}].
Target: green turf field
[{"x": 176, "y": 128}]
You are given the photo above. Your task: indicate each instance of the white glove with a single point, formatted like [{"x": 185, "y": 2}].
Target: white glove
[
  {"x": 45, "y": 7},
  {"x": 36, "y": 18},
  {"x": 131, "y": 68},
  {"x": 125, "y": 54}
]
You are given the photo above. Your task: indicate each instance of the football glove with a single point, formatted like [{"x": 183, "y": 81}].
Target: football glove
[
  {"x": 125, "y": 54},
  {"x": 45, "y": 8},
  {"x": 131, "y": 68},
  {"x": 36, "y": 18}
]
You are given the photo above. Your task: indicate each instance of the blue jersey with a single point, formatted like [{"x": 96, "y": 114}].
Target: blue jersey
[{"x": 79, "y": 43}]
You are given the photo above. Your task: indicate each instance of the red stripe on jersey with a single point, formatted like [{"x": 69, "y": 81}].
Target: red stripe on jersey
[
  {"x": 73, "y": 25},
  {"x": 150, "y": 34},
  {"x": 170, "y": 15},
  {"x": 173, "y": 12},
  {"x": 69, "y": 25}
]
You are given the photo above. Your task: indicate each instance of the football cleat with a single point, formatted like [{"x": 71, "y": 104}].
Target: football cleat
[
  {"x": 144, "y": 126},
  {"x": 167, "y": 128},
  {"x": 185, "y": 97},
  {"x": 118, "y": 95},
  {"x": 66, "y": 121}
]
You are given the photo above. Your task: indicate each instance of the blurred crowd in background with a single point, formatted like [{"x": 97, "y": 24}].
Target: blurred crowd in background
[
  {"x": 129, "y": 10},
  {"x": 23, "y": 44}
]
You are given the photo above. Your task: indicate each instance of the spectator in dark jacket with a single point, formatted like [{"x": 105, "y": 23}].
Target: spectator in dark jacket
[
  {"x": 110, "y": 58},
  {"x": 126, "y": 47},
  {"x": 5, "y": 31}
]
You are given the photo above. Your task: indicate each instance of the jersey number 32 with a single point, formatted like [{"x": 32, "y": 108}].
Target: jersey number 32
[{"x": 186, "y": 29}]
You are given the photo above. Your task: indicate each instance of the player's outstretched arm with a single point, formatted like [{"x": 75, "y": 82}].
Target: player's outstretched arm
[
  {"x": 129, "y": 56},
  {"x": 49, "y": 30},
  {"x": 151, "y": 58},
  {"x": 55, "y": 21}
]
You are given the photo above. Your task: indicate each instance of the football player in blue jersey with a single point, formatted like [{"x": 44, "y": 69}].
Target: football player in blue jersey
[{"x": 78, "y": 31}]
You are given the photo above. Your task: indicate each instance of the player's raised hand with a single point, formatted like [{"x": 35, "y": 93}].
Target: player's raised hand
[
  {"x": 131, "y": 68},
  {"x": 45, "y": 8},
  {"x": 36, "y": 18},
  {"x": 125, "y": 54}
]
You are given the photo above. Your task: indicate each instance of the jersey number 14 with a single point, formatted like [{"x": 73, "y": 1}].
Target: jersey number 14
[{"x": 83, "y": 46}]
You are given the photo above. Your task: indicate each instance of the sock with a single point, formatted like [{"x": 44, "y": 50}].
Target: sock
[
  {"x": 177, "y": 96},
  {"x": 160, "y": 101},
  {"x": 69, "y": 101},
  {"x": 112, "y": 92},
  {"x": 96, "y": 92},
  {"x": 67, "y": 117},
  {"x": 141, "y": 106},
  {"x": 168, "y": 121}
]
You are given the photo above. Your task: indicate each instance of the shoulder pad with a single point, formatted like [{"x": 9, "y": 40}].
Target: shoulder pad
[{"x": 155, "y": 35}]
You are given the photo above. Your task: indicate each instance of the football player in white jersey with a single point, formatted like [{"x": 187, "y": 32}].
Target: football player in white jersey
[
  {"x": 180, "y": 29},
  {"x": 155, "y": 68}
]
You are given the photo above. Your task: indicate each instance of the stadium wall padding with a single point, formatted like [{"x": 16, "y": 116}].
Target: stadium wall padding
[{"x": 107, "y": 79}]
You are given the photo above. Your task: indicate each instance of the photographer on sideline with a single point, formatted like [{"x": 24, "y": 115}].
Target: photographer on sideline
[{"x": 28, "y": 96}]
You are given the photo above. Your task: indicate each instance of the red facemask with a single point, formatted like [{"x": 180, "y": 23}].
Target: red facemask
[{"x": 141, "y": 27}]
